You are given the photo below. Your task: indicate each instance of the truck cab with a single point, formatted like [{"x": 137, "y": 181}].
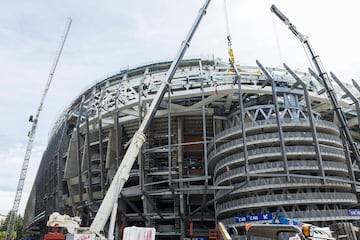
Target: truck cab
[
  {"x": 273, "y": 231},
  {"x": 286, "y": 232}
]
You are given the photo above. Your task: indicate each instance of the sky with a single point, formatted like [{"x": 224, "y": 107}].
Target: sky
[{"x": 107, "y": 36}]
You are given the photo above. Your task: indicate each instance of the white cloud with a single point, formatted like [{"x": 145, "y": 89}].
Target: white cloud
[
  {"x": 11, "y": 166},
  {"x": 7, "y": 201}
]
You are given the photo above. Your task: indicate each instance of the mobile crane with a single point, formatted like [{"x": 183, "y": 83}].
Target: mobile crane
[
  {"x": 282, "y": 227},
  {"x": 286, "y": 228},
  {"x": 108, "y": 207},
  {"x": 344, "y": 128}
]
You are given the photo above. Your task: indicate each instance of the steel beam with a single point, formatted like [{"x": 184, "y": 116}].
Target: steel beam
[
  {"x": 348, "y": 94},
  {"x": 311, "y": 120},
  {"x": 278, "y": 120}
]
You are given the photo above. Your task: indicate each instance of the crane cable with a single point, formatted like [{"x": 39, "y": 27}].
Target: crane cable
[
  {"x": 230, "y": 50},
  {"x": 278, "y": 45}
]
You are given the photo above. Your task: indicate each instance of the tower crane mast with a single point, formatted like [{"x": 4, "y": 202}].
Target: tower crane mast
[
  {"x": 344, "y": 128},
  {"x": 31, "y": 136}
]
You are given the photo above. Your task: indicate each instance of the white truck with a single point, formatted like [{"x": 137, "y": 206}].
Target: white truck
[{"x": 289, "y": 229}]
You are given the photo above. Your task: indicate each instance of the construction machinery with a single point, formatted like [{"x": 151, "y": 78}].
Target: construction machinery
[
  {"x": 268, "y": 231},
  {"x": 228, "y": 37},
  {"x": 292, "y": 229},
  {"x": 286, "y": 228},
  {"x": 31, "y": 135},
  {"x": 344, "y": 128},
  {"x": 224, "y": 233},
  {"x": 108, "y": 207}
]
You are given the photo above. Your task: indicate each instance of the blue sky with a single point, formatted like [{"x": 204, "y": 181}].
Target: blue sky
[{"x": 110, "y": 35}]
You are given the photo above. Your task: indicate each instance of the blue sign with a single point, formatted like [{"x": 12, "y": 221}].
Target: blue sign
[
  {"x": 354, "y": 212},
  {"x": 254, "y": 217}
]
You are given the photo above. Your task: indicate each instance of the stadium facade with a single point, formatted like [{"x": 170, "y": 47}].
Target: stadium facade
[{"x": 221, "y": 148}]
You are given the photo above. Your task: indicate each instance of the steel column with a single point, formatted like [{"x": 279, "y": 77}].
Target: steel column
[
  {"x": 169, "y": 140},
  {"x": 89, "y": 158},
  {"x": 348, "y": 94},
  {"x": 311, "y": 120},
  {"x": 101, "y": 152},
  {"x": 278, "y": 120},
  {"x": 242, "y": 115},
  {"x": 204, "y": 142},
  {"x": 78, "y": 155}
]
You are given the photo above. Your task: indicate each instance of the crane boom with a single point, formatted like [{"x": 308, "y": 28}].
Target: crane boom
[
  {"x": 31, "y": 136},
  {"x": 122, "y": 174},
  {"x": 344, "y": 128}
]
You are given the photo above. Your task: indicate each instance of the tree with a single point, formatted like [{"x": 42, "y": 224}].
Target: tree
[
  {"x": 2, "y": 229},
  {"x": 2, "y": 222},
  {"x": 18, "y": 227}
]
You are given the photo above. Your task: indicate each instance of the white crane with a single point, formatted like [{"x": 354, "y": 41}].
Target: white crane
[
  {"x": 108, "y": 207},
  {"x": 31, "y": 136},
  {"x": 344, "y": 128}
]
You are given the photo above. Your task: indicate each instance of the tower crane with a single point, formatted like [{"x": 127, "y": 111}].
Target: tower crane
[
  {"x": 31, "y": 136},
  {"x": 344, "y": 128}
]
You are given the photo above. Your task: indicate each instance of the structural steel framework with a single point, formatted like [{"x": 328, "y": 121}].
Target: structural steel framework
[{"x": 222, "y": 145}]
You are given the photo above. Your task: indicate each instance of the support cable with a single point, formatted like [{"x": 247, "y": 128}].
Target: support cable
[
  {"x": 278, "y": 45},
  {"x": 230, "y": 50}
]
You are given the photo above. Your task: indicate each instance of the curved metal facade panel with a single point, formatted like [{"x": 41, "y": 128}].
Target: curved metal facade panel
[
  {"x": 202, "y": 146},
  {"x": 281, "y": 144}
]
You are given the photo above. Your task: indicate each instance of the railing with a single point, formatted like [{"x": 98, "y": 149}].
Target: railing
[
  {"x": 268, "y": 152},
  {"x": 273, "y": 137},
  {"x": 281, "y": 183},
  {"x": 286, "y": 199},
  {"x": 266, "y": 123},
  {"x": 307, "y": 216},
  {"x": 307, "y": 165}
]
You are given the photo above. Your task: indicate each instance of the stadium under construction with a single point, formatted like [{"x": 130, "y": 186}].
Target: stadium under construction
[{"x": 222, "y": 147}]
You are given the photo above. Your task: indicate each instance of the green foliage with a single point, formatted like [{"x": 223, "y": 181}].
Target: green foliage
[
  {"x": 2, "y": 235},
  {"x": 18, "y": 227},
  {"x": 2, "y": 226}
]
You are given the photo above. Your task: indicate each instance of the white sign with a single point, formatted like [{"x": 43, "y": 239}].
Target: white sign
[
  {"x": 143, "y": 233},
  {"x": 84, "y": 236}
]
